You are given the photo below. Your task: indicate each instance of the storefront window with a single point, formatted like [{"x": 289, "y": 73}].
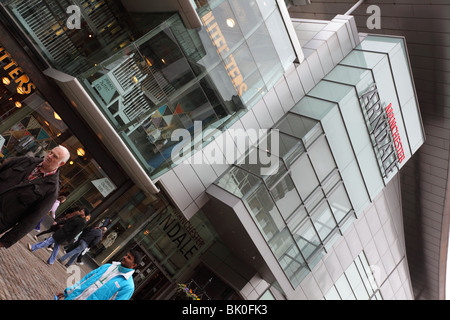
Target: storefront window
[
  {"x": 153, "y": 224},
  {"x": 31, "y": 127}
]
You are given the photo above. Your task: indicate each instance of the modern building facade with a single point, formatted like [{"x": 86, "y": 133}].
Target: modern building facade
[
  {"x": 247, "y": 154},
  {"x": 424, "y": 24}
]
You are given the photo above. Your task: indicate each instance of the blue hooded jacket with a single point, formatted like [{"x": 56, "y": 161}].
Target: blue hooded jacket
[{"x": 108, "y": 282}]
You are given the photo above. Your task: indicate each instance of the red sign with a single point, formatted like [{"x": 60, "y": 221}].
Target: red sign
[{"x": 395, "y": 133}]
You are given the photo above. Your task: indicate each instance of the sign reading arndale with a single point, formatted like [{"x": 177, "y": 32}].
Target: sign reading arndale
[{"x": 383, "y": 131}]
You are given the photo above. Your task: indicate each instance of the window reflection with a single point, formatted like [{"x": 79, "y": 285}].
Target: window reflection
[
  {"x": 301, "y": 208},
  {"x": 36, "y": 128},
  {"x": 137, "y": 64},
  {"x": 157, "y": 227},
  {"x": 295, "y": 125},
  {"x": 238, "y": 181},
  {"x": 286, "y": 196}
]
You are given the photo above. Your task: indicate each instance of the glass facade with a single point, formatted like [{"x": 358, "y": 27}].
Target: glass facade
[
  {"x": 338, "y": 147},
  {"x": 356, "y": 283},
  {"x": 151, "y": 223},
  {"x": 150, "y": 75},
  {"x": 165, "y": 77},
  {"x": 307, "y": 29},
  {"x": 302, "y": 207}
]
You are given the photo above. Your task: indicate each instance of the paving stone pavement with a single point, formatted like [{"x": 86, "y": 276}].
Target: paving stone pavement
[{"x": 25, "y": 275}]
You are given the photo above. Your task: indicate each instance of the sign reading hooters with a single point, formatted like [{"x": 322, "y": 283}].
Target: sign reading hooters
[
  {"x": 213, "y": 29},
  {"x": 14, "y": 73}
]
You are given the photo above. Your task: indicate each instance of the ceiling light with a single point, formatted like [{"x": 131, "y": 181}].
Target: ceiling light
[
  {"x": 230, "y": 23},
  {"x": 81, "y": 152}
]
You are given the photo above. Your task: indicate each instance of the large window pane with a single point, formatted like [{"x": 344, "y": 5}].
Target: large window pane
[
  {"x": 312, "y": 107},
  {"x": 296, "y": 219},
  {"x": 360, "y": 78},
  {"x": 356, "y": 283},
  {"x": 238, "y": 182},
  {"x": 307, "y": 240},
  {"x": 227, "y": 23},
  {"x": 249, "y": 71},
  {"x": 286, "y": 196},
  {"x": 289, "y": 148},
  {"x": 356, "y": 188},
  {"x": 265, "y": 55},
  {"x": 304, "y": 177},
  {"x": 363, "y": 59},
  {"x": 128, "y": 215},
  {"x": 266, "y": 7},
  {"x": 344, "y": 289},
  {"x": 332, "y": 294},
  {"x": 339, "y": 203},
  {"x": 331, "y": 91},
  {"x": 247, "y": 14},
  {"x": 323, "y": 221},
  {"x": 264, "y": 212},
  {"x": 321, "y": 158},
  {"x": 295, "y": 125},
  {"x": 293, "y": 264},
  {"x": 264, "y": 164},
  {"x": 280, "y": 39}
]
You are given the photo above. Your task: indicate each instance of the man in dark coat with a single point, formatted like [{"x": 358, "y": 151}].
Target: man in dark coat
[
  {"x": 71, "y": 228},
  {"x": 28, "y": 189},
  {"x": 89, "y": 238}
]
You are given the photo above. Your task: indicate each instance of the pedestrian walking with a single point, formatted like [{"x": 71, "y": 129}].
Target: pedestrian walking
[
  {"x": 28, "y": 189},
  {"x": 59, "y": 222},
  {"x": 59, "y": 200},
  {"x": 89, "y": 238},
  {"x": 70, "y": 229},
  {"x": 112, "y": 281}
]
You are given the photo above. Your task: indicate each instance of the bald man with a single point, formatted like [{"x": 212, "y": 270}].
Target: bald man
[{"x": 29, "y": 187}]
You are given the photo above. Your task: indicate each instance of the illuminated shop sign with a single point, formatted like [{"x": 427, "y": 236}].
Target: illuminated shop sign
[
  {"x": 213, "y": 29},
  {"x": 395, "y": 133},
  {"x": 14, "y": 74},
  {"x": 383, "y": 131}
]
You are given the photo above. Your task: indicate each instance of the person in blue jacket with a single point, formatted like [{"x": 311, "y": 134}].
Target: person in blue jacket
[{"x": 112, "y": 281}]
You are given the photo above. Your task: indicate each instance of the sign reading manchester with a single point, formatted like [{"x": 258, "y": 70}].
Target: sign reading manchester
[{"x": 383, "y": 131}]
